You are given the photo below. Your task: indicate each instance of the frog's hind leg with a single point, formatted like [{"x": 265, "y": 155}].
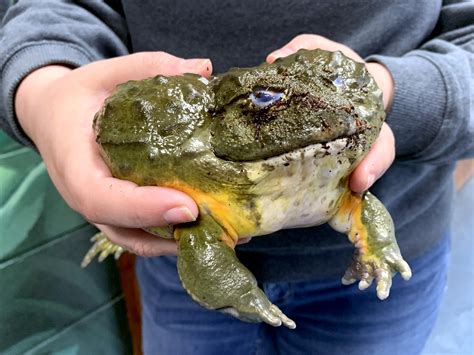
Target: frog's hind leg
[
  {"x": 215, "y": 278},
  {"x": 370, "y": 228},
  {"x": 103, "y": 247}
]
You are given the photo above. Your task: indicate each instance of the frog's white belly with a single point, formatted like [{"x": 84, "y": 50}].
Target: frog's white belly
[{"x": 301, "y": 189}]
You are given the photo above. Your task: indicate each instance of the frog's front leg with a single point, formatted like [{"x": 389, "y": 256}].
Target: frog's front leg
[
  {"x": 370, "y": 228},
  {"x": 215, "y": 278},
  {"x": 103, "y": 247}
]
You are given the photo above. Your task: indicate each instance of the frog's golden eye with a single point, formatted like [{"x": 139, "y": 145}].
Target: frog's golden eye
[{"x": 265, "y": 98}]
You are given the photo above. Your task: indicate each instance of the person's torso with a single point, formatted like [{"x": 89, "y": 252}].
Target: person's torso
[{"x": 242, "y": 33}]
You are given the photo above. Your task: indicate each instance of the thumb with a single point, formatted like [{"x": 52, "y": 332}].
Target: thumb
[
  {"x": 376, "y": 162},
  {"x": 111, "y": 72}
]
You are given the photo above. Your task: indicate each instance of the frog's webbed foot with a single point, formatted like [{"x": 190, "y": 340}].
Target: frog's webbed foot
[
  {"x": 377, "y": 256},
  {"x": 381, "y": 268},
  {"x": 214, "y": 277},
  {"x": 103, "y": 247},
  {"x": 254, "y": 306}
]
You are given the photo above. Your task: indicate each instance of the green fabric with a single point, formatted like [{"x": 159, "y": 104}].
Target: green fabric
[
  {"x": 25, "y": 191},
  {"x": 48, "y": 303}
]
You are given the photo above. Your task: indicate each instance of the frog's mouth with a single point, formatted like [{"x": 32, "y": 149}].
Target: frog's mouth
[
  {"x": 246, "y": 133},
  {"x": 299, "y": 142},
  {"x": 311, "y": 151}
]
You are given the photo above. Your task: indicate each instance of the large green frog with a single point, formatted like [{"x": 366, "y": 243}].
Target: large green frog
[{"x": 258, "y": 149}]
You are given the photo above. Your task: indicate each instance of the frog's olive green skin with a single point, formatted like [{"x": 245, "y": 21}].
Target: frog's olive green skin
[{"x": 253, "y": 170}]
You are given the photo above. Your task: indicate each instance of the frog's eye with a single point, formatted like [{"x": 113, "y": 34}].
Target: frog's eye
[{"x": 265, "y": 98}]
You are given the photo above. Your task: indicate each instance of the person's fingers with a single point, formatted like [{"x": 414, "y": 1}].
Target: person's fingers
[
  {"x": 123, "y": 203},
  {"x": 103, "y": 199},
  {"x": 382, "y": 153},
  {"x": 310, "y": 41},
  {"x": 384, "y": 80},
  {"x": 111, "y": 72},
  {"x": 80, "y": 173},
  {"x": 376, "y": 162},
  {"x": 138, "y": 241}
]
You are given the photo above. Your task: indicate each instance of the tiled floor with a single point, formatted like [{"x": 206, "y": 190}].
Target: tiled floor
[{"x": 454, "y": 330}]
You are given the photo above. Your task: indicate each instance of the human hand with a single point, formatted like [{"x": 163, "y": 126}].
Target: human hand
[
  {"x": 55, "y": 107},
  {"x": 382, "y": 153}
]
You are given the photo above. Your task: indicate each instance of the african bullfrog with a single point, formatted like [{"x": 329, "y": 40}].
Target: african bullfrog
[{"x": 258, "y": 149}]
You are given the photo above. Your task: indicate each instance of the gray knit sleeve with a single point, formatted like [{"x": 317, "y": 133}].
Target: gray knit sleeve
[
  {"x": 37, "y": 33},
  {"x": 432, "y": 113}
]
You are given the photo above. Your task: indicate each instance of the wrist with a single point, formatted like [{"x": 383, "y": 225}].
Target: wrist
[
  {"x": 384, "y": 80},
  {"x": 29, "y": 93}
]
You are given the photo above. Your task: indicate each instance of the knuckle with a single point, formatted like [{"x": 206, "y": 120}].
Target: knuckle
[
  {"x": 306, "y": 37},
  {"x": 138, "y": 220},
  {"x": 392, "y": 156},
  {"x": 143, "y": 249},
  {"x": 152, "y": 60},
  {"x": 305, "y": 40}
]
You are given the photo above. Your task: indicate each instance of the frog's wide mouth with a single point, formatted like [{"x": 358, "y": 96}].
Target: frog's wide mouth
[
  {"x": 313, "y": 150},
  {"x": 242, "y": 135}
]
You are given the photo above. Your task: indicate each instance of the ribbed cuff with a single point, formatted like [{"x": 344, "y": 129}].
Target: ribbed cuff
[
  {"x": 419, "y": 103},
  {"x": 24, "y": 61}
]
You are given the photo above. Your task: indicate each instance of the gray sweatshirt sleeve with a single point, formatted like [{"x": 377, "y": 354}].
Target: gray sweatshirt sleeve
[
  {"x": 37, "y": 33},
  {"x": 432, "y": 113}
]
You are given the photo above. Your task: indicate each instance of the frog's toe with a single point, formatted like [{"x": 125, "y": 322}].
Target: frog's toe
[
  {"x": 256, "y": 303},
  {"x": 268, "y": 316},
  {"x": 254, "y": 306},
  {"x": 358, "y": 271},
  {"x": 384, "y": 281},
  {"x": 103, "y": 247},
  {"x": 384, "y": 273},
  {"x": 380, "y": 269},
  {"x": 287, "y": 322},
  {"x": 366, "y": 281},
  {"x": 355, "y": 271},
  {"x": 347, "y": 279},
  {"x": 403, "y": 268},
  {"x": 396, "y": 263}
]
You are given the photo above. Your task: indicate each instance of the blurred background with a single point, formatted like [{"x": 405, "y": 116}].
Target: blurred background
[{"x": 48, "y": 303}]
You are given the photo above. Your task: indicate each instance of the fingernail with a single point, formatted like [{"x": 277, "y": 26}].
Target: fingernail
[
  {"x": 370, "y": 180},
  {"x": 179, "y": 215},
  {"x": 279, "y": 53},
  {"x": 196, "y": 64}
]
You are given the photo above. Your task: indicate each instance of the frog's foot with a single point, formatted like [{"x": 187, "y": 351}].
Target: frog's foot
[
  {"x": 254, "y": 306},
  {"x": 214, "y": 277},
  {"x": 379, "y": 267},
  {"x": 370, "y": 228},
  {"x": 102, "y": 247}
]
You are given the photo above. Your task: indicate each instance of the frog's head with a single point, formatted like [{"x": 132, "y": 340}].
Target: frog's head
[{"x": 306, "y": 98}]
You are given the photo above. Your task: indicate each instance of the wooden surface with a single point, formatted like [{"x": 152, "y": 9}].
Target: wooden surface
[{"x": 128, "y": 280}]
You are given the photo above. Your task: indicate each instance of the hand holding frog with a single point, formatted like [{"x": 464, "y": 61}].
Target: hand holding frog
[
  {"x": 382, "y": 153},
  {"x": 56, "y": 105}
]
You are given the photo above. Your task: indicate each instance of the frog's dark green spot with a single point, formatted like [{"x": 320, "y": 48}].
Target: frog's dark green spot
[{"x": 125, "y": 168}]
